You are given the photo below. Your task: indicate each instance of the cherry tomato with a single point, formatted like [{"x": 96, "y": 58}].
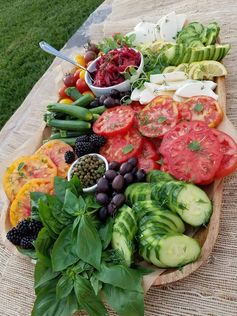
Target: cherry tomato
[
  {"x": 205, "y": 109},
  {"x": 158, "y": 117},
  {"x": 82, "y": 74},
  {"x": 229, "y": 150},
  {"x": 120, "y": 149},
  {"x": 77, "y": 74},
  {"x": 62, "y": 92},
  {"x": 194, "y": 157},
  {"x": 69, "y": 80},
  {"x": 114, "y": 121},
  {"x": 66, "y": 101},
  {"x": 89, "y": 56},
  {"x": 81, "y": 85},
  {"x": 93, "y": 47},
  {"x": 89, "y": 92},
  {"x": 80, "y": 60}
]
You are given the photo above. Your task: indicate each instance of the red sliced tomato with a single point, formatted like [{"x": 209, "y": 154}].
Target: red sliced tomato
[
  {"x": 148, "y": 164},
  {"x": 179, "y": 130},
  {"x": 158, "y": 117},
  {"x": 114, "y": 121},
  {"x": 205, "y": 109},
  {"x": 195, "y": 157},
  {"x": 184, "y": 112},
  {"x": 229, "y": 150},
  {"x": 136, "y": 106},
  {"x": 148, "y": 157},
  {"x": 120, "y": 149}
]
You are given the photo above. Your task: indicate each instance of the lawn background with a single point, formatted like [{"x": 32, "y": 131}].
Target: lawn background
[{"x": 23, "y": 24}]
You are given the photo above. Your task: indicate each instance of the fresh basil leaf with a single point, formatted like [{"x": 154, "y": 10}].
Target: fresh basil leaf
[
  {"x": 43, "y": 245},
  {"x": 105, "y": 232},
  {"x": 43, "y": 273},
  {"x": 68, "y": 306},
  {"x": 28, "y": 252},
  {"x": 64, "y": 286},
  {"x": 60, "y": 187},
  {"x": 48, "y": 220},
  {"x": 96, "y": 284},
  {"x": 58, "y": 212},
  {"x": 87, "y": 299},
  {"x": 194, "y": 146},
  {"x": 124, "y": 302},
  {"x": 120, "y": 276},
  {"x": 76, "y": 184},
  {"x": 35, "y": 197},
  {"x": 91, "y": 203},
  {"x": 162, "y": 119},
  {"x": 127, "y": 149},
  {"x": 71, "y": 203},
  {"x": 62, "y": 254},
  {"x": 86, "y": 243}
]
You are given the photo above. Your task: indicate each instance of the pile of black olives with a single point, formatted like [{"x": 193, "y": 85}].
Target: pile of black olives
[
  {"x": 110, "y": 188},
  {"x": 110, "y": 100}
]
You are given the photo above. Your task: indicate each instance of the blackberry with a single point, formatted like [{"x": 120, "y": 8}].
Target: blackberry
[
  {"x": 23, "y": 228},
  {"x": 27, "y": 243},
  {"x": 83, "y": 148},
  {"x": 35, "y": 226},
  {"x": 69, "y": 156},
  {"x": 83, "y": 138},
  {"x": 14, "y": 236},
  {"x": 97, "y": 140}
]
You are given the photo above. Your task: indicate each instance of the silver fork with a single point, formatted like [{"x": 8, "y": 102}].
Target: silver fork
[{"x": 51, "y": 50}]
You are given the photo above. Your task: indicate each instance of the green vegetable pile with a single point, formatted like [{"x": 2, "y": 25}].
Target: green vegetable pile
[{"x": 76, "y": 268}]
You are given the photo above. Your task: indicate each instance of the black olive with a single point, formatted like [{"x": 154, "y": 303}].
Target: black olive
[
  {"x": 133, "y": 161},
  {"x": 109, "y": 102},
  {"x": 111, "y": 209},
  {"x": 103, "y": 213},
  {"x": 118, "y": 200},
  {"x": 141, "y": 175},
  {"x": 118, "y": 183},
  {"x": 114, "y": 165},
  {"x": 94, "y": 104},
  {"x": 134, "y": 171},
  {"x": 102, "y": 198},
  {"x": 110, "y": 174},
  {"x": 102, "y": 98},
  {"x": 125, "y": 168},
  {"x": 115, "y": 94},
  {"x": 102, "y": 185},
  {"x": 129, "y": 178}
]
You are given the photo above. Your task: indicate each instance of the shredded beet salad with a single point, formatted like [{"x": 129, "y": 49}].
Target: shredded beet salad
[{"x": 111, "y": 66}]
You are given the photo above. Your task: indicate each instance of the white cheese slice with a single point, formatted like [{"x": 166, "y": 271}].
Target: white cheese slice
[
  {"x": 180, "y": 20},
  {"x": 136, "y": 94},
  {"x": 178, "y": 98},
  {"x": 169, "y": 76},
  {"x": 168, "y": 28},
  {"x": 146, "y": 96},
  {"x": 194, "y": 89},
  {"x": 207, "y": 83},
  {"x": 169, "y": 86},
  {"x": 146, "y": 32}
]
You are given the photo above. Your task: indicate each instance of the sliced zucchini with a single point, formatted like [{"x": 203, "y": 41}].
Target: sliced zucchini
[
  {"x": 124, "y": 245},
  {"x": 138, "y": 192}
]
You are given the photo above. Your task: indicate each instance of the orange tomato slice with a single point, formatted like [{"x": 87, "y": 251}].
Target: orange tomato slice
[
  {"x": 20, "y": 208},
  {"x": 55, "y": 150},
  {"x": 24, "y": 169}
]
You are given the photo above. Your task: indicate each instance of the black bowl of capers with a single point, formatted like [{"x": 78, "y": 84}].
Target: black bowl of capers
[{"x": 89, "y": 169}]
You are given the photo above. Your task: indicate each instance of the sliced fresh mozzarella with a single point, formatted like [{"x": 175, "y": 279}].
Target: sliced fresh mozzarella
[
  {"x": 168, "y": 28},
  {"x": 169, "y": 76},
  {"x": 195, "y": 88},
  {"x": 146, "y": 96},
  {"x": 146, "y": 32},
  {"x": 169, "y": 86},
  {"x": 207, "y": 83},
  {"x": 136, "y": 94},
  {"x": 180, "y": 20}
]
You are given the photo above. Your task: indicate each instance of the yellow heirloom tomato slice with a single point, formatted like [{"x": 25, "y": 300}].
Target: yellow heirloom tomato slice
[
  {"x": 20, "y": 207},
  {"x": 55, "y": 150},
  {"x": 24, "y": 169}
]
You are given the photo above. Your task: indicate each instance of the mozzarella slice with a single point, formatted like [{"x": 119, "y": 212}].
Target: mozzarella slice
[
  {"x": 168, "y": 28},
  {"x": 207, "y": 83},
  {"x": 194, "y": 89},
  {"x": 169, "y": 76},
  {"x": 180, "y": 20},
  {"x": 146, "y": 96},
  {"x": 146, "y": 32},
  {"x": 136, "y": 94},
  {"x": 170, "y": 86}
]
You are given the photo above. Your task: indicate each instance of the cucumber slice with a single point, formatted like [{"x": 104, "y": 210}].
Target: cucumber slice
[
  {"x": 138, "y": 192},
  {"x": 157, "y": 175},
  {"x": 193, "y": 205},
  {"x": 125, "y": 246},
  {"x": 160, "y": 219},
  {"x": 151, "y": 224},
  {"x": 176, "y": 250}
]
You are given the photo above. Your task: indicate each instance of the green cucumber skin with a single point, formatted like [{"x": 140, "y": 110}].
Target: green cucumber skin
[
  {"x": 84, "y": 100},
  {"x": 138, "y": 192},
  {"x": 157, "y": 176},
  {"x": 70, "y": 125},
  {"x": 72, "y": 110},
  {"x": 68, "y": 140}
]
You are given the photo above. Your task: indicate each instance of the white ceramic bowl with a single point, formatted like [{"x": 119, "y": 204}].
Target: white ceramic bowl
[
  {"x": 69, "y": 174},
  {"x": 122, "y": 87}
]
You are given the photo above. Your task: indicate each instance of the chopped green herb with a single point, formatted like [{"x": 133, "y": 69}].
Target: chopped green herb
[
  {"x": 162, "y": 119},
  {"x": 20, "y": 166},
  {"x": 194, "y": 146},
  {"x": 127, "y": 149},
  {"x": 198, "y": 107}
]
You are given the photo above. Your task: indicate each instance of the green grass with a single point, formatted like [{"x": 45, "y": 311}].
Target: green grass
[{"x": 23, "y": 24}]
